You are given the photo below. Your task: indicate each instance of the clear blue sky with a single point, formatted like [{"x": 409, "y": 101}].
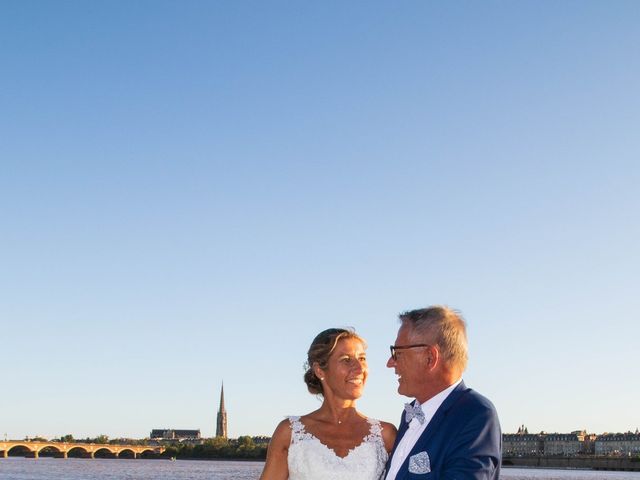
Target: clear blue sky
[{"x": 190, "y": 191}]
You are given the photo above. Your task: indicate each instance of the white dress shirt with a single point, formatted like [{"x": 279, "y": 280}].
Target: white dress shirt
[{"x": 411, "y": 436}]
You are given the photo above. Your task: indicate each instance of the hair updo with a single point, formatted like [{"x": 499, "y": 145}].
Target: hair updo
[{"x": 319, "y": 352}]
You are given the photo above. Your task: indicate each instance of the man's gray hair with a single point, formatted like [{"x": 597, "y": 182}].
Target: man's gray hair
[{"x": 444, "y": 327}]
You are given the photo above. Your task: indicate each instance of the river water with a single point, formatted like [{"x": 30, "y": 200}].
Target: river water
[{"x": 17, "y": 468}]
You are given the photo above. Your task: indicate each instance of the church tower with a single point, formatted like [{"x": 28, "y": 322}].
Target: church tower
[{"x": 221, "y": 425}]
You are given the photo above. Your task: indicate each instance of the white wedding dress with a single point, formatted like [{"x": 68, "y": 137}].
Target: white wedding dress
[{"x": 310, "y": 459}]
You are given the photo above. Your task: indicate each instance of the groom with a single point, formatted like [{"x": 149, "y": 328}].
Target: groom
[{"x": 449, "y": 431}]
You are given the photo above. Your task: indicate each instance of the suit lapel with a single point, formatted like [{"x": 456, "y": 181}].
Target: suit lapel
[
  {"x": 402, "y": 429},
  {"x": 404, "y": 426},
  {"x": 431, "y": 429},
  {"x": 441, "y": 414}
]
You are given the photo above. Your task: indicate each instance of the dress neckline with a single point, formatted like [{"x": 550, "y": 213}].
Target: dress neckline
[{"x": 300, "y": 429}]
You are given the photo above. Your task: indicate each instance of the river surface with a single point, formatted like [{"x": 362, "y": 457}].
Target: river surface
[{"x": 17, "y": 468}]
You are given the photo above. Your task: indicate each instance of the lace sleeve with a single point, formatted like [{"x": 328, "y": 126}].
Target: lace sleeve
[{"x": 298, "y": 433}]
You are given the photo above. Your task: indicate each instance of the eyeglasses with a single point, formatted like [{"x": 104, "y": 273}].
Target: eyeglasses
[{"x": 393, "y": 348}]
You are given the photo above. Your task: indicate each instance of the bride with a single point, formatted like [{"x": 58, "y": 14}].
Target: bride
[{"x": 335, "y": 442}]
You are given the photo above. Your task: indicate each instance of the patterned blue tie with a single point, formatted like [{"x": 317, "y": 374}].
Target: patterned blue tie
[{"x": 414, "y": 411}]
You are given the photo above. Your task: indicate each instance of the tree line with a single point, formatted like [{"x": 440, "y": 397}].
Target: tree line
[{"x": 241, "y": 448}]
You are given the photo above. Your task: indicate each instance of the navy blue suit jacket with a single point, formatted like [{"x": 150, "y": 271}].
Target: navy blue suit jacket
[{"x": 463, "y": 440}]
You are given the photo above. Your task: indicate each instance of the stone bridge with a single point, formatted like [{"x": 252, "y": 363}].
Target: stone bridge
[{"x": 62, "y": 449}]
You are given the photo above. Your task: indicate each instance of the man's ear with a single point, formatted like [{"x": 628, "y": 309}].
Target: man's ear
[{"x": 433, "y": 357}]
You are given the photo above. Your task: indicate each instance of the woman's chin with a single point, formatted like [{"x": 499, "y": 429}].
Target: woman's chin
[{"x": 357, "y": 393}]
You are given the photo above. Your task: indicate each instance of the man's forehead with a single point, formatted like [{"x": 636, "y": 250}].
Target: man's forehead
[
  {"x": 409, "y": 333},
  {"x": 405, "y": 331}
]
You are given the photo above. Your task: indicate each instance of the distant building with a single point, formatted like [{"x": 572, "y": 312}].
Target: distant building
[
  {"x": 261, "y": 440},
  {"x": 625, "y": 444},
  {"x": 565, "y": 444},
  {"x": 221, "y": 424},
  {"x": 522, "y": 444},
  {"x": 171, "y": 434},
  {"x": 579, "y": 442}
]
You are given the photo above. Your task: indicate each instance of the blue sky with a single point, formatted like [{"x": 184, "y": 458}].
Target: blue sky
[{"x": 191, "y": 191}]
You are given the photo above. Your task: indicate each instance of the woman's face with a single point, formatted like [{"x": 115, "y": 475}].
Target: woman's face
[{"x": 347, "y": 370}]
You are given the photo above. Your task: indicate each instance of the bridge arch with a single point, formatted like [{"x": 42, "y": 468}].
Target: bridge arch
[
  {"x": 75, "y": 451},
  {"x": 48, "y": 449},
  {"x": 104, "y": 452},
  {"x": 148, "y": 453},
  {"x": 126, "y": 453},
  {"x": 20, "y": 446}
]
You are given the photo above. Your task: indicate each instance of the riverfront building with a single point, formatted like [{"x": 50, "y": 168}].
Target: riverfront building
[
  {"x": 566, "y": 444},
  {"x": 176, "y": 435},
  {"x": 625, "y": 444},
  {"x": 524, "y": 444}
]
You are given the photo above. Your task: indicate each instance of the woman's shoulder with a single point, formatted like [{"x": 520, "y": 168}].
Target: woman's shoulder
[
  {"x": 390, "y": 427},
  {"x": 387, "y": 431},
  {"x": 282, "y": 433}
]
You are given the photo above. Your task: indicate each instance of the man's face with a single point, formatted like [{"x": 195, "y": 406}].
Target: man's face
[{"x": 410, "y": 364}]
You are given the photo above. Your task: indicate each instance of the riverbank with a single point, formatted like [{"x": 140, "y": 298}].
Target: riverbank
[{"x": 586, "y": 462}]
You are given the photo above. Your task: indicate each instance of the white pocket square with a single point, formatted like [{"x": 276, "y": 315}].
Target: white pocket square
[{"x": 419, "y": 463}]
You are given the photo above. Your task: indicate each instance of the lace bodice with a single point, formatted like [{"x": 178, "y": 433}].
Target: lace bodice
[{"x": 310, "y": 459}]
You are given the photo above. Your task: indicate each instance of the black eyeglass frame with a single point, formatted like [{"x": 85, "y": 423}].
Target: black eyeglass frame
[{"x": 393, "y": 348}]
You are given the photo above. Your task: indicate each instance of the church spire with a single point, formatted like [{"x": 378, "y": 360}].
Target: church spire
[{"x": 221, "y": 424}]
